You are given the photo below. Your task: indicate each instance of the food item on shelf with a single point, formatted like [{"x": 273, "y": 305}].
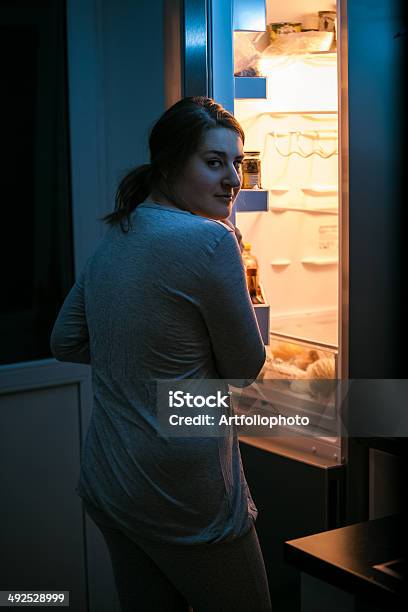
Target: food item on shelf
[
  {"x": 248, "y": 72},
  {"x": 258, "y": 298},
  {"x": 303, "y": 360},
  {"x": 319, "y": 379},
  {"x": 294, "y": 362},
  {"x": 310, "y": 22},
  {"x": 252, "y": 275},
  {"x": 286, "y": 371},
  {"x": 299, "y": 43},
  {"x": 286, "y": 351},
  {"x": 281, "y": 29},
  {"x": 283, "y": 361},
  {"x": 314, "y": 34},
  {"x": 251, "y": 270},
  {"x": 246, "y": 55},
  {"x": 276, "y": 368},
  {"x": 322, "y": 368},
  {"x": 321, "y": 375},
  {"x": 251, "y": 170},
  {"x": 327, "y": 21}
]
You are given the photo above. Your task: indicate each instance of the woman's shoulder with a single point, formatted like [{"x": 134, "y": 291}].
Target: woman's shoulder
[
  {"x": 181, "y": 222},
  {"x": 208, "y": 235},
  {"x": 217, "y": 228}
]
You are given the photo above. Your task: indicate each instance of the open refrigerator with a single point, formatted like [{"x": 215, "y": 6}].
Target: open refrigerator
[
  {"x": 286, "y": 97},
  {"x": 281, "y": 69}
]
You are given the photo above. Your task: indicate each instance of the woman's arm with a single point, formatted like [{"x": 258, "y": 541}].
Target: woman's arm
[
  {"x": 227, "y": 309},
  {"x": 70, "y": 336}
]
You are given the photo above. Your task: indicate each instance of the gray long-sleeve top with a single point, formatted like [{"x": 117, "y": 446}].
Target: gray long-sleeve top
[{"x": 167, "y": 300}]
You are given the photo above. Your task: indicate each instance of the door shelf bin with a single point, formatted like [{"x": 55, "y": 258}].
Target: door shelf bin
[
  {"x": 250, "y": 87},
  {"x": 252, "y": 200}
]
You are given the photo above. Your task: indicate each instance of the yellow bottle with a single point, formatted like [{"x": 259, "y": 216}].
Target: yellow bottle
[{"x": 251, "y": 270}]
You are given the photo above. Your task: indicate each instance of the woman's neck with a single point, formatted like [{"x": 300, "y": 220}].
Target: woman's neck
[{"x": 160, "y": 199}]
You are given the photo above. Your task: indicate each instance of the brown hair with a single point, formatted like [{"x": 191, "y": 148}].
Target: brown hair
[{"x": 174, "y": 138}]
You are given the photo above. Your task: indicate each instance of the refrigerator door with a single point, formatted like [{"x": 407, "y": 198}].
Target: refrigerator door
[
  {"x": 222, "y": 53},
  {"x": 227, "y": 16},
  {"x": 188, "y": 49},
  {"x": 196, "y": 49}
]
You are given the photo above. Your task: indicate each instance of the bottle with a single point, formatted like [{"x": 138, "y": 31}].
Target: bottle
[
  {"x": 251, "y": 170},
  {"x": 251, "y": 270}
]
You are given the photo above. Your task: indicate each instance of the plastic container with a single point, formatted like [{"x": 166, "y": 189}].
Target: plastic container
[
  {"x": 281, "y": 29},
  {"x": 327, "y": 21}
]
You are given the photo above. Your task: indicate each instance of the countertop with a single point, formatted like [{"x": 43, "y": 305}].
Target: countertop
[{"x": 345, "y": 557}]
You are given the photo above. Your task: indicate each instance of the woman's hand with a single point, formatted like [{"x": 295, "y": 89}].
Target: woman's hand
[{"x": 238, "y": 234}]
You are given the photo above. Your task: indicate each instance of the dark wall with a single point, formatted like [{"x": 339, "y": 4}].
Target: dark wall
[{"x": 377, "y": 130}]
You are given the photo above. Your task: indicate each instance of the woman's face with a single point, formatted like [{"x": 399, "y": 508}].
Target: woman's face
[{"x": 212, "y": 177}]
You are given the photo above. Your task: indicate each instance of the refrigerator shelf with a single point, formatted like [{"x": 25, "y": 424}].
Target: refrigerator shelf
[
  {"x": 322, "y": 211},
  {"x": 320, "y": 189},
  {"x": 257, "y": 200},
  {"x": 333, "y": 52},
  {"x": 320, "y": 261},
  {"x": 299, "y": 112},
  {"x": 277, "y": 190},
  {"x": 316, "y": 329},
  {"x": 280, "y": 263}
]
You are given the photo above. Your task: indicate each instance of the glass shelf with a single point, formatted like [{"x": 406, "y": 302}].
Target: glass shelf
[
  {"x": 300, "y": 112},
  {"x": 281, "y": 263},
  {"x": 257, "y": 200},
  {"x": 320, "y": 261},
  {"x": 313, "y": 211},
  {"x": 320, "y": 190}
]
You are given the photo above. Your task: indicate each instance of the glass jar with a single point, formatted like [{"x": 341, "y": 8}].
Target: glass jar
[
  {"x": 251, "y": 170},
  {"x": 327, "y": 21}
]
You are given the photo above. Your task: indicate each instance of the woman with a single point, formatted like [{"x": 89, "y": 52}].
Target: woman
[{"x": 164, "y": 297}]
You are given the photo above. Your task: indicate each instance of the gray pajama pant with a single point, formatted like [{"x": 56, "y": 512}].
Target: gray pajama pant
[{"x": 155, "y": 577}]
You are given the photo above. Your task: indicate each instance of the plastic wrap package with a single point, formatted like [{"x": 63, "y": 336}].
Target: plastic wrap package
[
  {"x": 306, "y": 370},
  {"x": 246, "y": 55},
  {"x": 296, "y": 43}
]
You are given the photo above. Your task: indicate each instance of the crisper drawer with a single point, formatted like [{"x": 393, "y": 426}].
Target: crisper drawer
[
  {"x": 308, "y": 367},
  {"x": 295, "y": 398}
]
